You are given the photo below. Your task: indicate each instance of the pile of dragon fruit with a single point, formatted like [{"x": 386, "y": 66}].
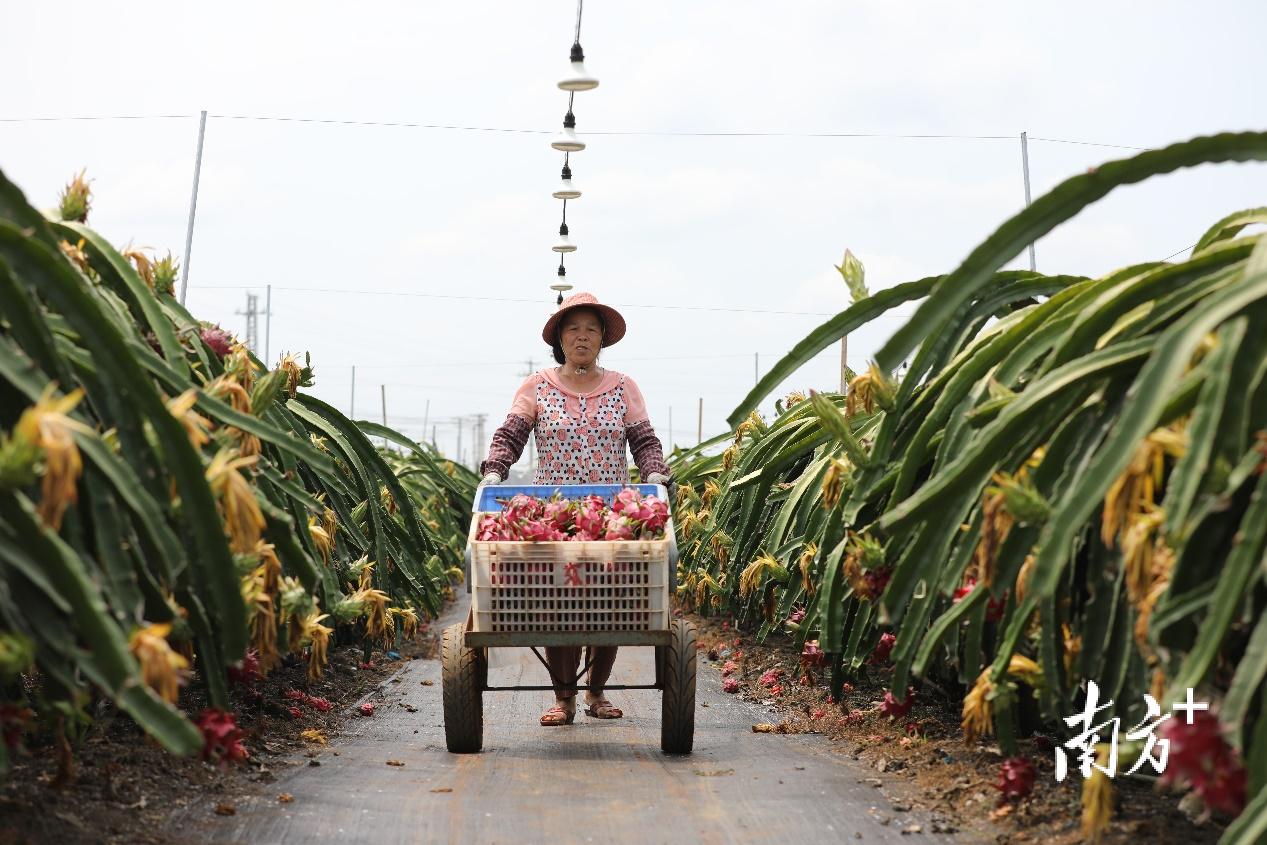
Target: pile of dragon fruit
[{"x": 631, "y": 516}]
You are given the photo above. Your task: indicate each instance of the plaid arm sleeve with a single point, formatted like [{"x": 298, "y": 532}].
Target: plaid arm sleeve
[
  {"x": 508, "y": 444},
  {"x": 648, "y": 454}
]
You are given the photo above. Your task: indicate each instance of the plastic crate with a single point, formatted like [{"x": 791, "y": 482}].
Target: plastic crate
[{"x": 571, "y": 586}]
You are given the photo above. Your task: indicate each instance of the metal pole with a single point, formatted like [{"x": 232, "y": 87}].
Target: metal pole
[
  {"x": 352, "y": 407},
  {"x": 844, "y": 367},
  {"x": 268, "y": 323},
  {"x": 1033, "y": 265},
  {"x": 433, "y": 438},
  {"x": 699, "y": 429},
  {"x": 193, "y": 205}
]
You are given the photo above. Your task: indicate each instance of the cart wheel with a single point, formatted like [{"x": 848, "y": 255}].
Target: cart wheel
[
  {"x": 677, "y": 670},
  {"x": 462, "y": 691}
]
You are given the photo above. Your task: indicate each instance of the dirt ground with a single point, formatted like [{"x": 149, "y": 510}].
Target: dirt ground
[
  {"x": 926, "y": 746},
  {"x": 126, "y": 787}
]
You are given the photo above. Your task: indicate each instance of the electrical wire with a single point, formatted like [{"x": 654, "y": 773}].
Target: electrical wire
[
  {"x": 712, "y": 308},
  {"x": 401, "y": 124}
]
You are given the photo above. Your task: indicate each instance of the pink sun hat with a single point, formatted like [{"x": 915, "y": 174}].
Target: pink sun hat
[{"x": 613, "y": 323}]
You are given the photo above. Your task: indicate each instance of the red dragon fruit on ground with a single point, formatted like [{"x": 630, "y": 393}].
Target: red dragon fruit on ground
[
  {"x": 221, "y": 737},
  {"x": 1203, "y": 759},
  {"x": 367, "y": 709},
  {"x": 1016, "y": 779},
  {"x": 729, "y": 668},
  {"x": 771, "y": 677},
  {"x": 730, "y": 685},
  {"x": 893, "y": 708}
]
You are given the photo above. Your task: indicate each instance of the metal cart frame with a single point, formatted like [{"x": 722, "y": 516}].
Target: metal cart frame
[{"x": 464, "y": 652}]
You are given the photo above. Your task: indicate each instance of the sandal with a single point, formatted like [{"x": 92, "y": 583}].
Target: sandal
[
  {"x": 603, "y": 709},
  {"x": 558, "y": 715}
]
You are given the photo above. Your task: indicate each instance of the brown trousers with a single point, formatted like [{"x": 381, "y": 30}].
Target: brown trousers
[{"x": 565, "y": 662}]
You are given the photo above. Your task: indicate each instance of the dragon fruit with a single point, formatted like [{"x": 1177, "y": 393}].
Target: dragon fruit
[
  {"x": 218, "y": 340},
  {"x": 221, "y": 737},
  {"x": 525, "y": 518},
  {"x": 730, "y": 685},
  {"x": 880, "y": 656},
  {"x": 893, "y": 708},
  {"x": 1202, "y": 758},
  {"x": 1016, "y": 778}
]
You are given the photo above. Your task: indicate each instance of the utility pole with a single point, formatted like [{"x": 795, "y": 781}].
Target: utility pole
[
  {"x": 478, "y": 445},
  {"x": 532, "y": 457},
  {"x": 1033, "y": 265},
  {"x": 193, "y": 206},
  {"x": 251, "y": 313},
  {"x": 844, "y": 367},
  {"x": 383, "y": 392},
  {"x": 268, "y": 323}
]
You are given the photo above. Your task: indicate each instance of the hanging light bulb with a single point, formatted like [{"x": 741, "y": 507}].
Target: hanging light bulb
[
  {"x": 566, "y": 190},
  {"x": 564, "y": 243},
  {"x": 577, "y": 78},
  {"x": 562, "y": 283},
  {"x": 566, "y": 140}
]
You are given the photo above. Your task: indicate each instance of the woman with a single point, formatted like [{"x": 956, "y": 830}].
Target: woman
[{"x": 583, "y": 416}]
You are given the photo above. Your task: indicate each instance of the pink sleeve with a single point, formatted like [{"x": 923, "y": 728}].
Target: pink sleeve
[
  {"x": 525, "y": 401},
  {"x": 635, "y": 405}
]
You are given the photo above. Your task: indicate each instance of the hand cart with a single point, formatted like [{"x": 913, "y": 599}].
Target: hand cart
[{"x": 570, "y": 593}]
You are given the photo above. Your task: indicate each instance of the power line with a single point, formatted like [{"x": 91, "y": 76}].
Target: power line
[
  {"x": 404, "y": 124},
  {"x": 536, "y": 301}
]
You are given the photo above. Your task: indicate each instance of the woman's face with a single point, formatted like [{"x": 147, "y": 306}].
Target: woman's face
[{"x": 581, "y": 336}]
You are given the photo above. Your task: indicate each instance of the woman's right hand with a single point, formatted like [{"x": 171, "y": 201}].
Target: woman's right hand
[{"x": 489, "y": 478}]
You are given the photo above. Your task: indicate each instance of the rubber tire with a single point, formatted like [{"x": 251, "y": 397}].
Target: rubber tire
[
  {"x": 462, "y": 692},
  {"x": 677, "y": 671}
]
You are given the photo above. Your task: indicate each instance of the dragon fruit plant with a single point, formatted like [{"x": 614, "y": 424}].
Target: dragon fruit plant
[
  {"x": 1042, "y": 481},
  {"x": 525, "y": 518}
]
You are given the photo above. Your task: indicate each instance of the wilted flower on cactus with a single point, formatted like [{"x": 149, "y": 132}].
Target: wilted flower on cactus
[
  {"x": 221, "y": 738},
  {"x": 243, "y": 519},
  {"x": 48, "y": 427},
  {"x": 868, "y": 390},
  {"x": 838, "y": 472},
  {"x": 1016, "y": 778},
  {"x": 756, "y": 574},
  {"x": 197, "y": 427},
  {"x": 318, "y": 636},
  {"x": 162, "y": 669}
]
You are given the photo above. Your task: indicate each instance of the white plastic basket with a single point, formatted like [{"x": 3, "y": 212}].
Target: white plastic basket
[{"x": 619, "y": 585}]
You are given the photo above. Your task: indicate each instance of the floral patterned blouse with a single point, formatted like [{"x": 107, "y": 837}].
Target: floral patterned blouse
[{"x": 581, "y": 437}]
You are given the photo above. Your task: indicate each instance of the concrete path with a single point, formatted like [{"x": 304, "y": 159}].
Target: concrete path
[{"x": 595, "y": 781}]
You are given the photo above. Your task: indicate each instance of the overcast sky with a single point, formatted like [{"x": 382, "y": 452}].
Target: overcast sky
[{"x": 385, "y": 214}]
